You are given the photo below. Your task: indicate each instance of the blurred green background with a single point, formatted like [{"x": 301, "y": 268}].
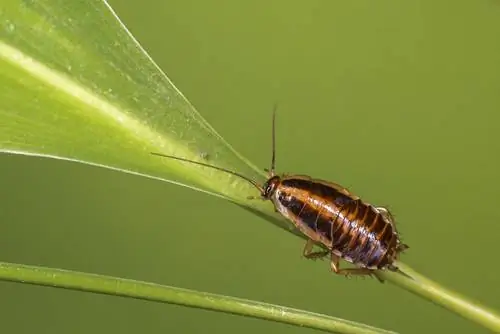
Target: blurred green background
[{"x": 398, "y": 101}]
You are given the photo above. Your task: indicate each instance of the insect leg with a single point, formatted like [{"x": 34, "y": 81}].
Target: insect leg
[
  {"x": 309, "y": 254},
  {"x": 351, "y": 271}
]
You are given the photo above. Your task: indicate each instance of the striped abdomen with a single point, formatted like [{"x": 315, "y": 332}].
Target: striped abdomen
[{"x": 326, "y": 213}]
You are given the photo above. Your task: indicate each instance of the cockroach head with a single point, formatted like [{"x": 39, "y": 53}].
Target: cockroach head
[{"x": 270, "y": 186}]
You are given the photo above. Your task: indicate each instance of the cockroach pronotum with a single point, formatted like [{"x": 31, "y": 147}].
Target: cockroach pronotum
[{"x": 331, "y": 217}]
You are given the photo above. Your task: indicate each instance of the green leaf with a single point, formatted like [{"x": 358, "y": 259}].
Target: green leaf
[{"x": 76, "y": 85}]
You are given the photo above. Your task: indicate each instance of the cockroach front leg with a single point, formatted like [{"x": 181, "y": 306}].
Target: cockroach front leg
[
  {"x": 309, "y": 254},
  {"x": 351, "y": 271}
]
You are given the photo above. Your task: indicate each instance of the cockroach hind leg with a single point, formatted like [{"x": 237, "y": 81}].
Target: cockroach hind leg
[
  {"x": 309, "y": 254},
  {"x": 352, "y": 271}
]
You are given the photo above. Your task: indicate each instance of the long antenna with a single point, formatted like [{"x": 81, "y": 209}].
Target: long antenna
[
  {"x": 252, "y": 182},
  {"x": 273, "y": 159}
]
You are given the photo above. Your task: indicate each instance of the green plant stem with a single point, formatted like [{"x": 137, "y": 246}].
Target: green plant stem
[
  {"x": 108, "y": 285},
  {"x": 446, "y": 298}
]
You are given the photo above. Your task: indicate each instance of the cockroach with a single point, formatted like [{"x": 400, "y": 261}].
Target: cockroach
[{"x": 330, "y": 216}]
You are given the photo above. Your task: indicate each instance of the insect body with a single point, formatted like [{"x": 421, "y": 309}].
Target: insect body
[
  {"x": 330, "y": 216},
  {"x": 342, "y": 223}
]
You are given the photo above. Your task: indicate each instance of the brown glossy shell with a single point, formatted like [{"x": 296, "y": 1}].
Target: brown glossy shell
[{"x": 328, "y": 214}]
